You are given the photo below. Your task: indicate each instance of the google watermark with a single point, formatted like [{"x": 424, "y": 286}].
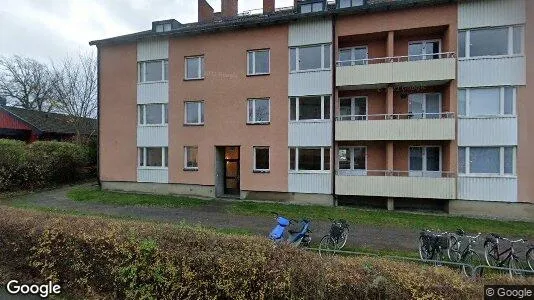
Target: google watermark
[
  {"x": 14, "y": 287},
  {"x": 525, "y": 292}
]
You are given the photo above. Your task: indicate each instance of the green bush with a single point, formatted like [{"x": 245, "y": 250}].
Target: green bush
[
  {"x": 119, "y": 259},
  {"x": 41, "y": 164}
]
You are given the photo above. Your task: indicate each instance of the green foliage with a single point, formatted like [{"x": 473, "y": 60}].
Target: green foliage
[
  {"x": 117, "y": 259},
  {"x": 41, "y": 164}
]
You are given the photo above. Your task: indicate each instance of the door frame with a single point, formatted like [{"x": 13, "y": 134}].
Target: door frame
[
  {"x": 424, "y": 172},
  {"x": 227, "y": 191}
]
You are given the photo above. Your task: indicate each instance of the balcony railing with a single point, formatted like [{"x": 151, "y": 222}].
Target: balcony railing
[
  {"x": 409, "y": 116},
  {"x": 395, "y": 59},
  {"x": 395, "y": 173}
]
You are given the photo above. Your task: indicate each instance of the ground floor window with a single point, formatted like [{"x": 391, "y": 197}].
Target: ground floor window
[
  {"x": 261, "y": 159},
  {"x": 153, "y": 157},
  {"x": 309, "y": 159},
  {"x": 352, "y": 160},
  {"x": 190, "y": 158},
  {"x": 487, "y": 160}
]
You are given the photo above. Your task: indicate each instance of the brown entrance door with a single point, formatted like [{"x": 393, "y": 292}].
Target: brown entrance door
[{"x": 231, "y": 171}]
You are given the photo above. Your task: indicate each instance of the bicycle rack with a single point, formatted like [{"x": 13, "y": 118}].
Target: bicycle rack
[{"x": 474, "y": 269}]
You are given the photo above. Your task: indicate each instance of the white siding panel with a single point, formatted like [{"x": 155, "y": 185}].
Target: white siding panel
[
  {"x": 310, "y": 32},
  {"x": 152, "y": 136},
  {"x": 306, "y": 134},
  {"x": 310, "y": 183},
  {"x": 492, "y": 71},
  {"x": 487, "y": 132},
  {"x": 153, "y": 175},
  {"x": 484, "y": 13},
  {"x": 152, "y": 49},
  {"x": 487, "y": 188},
  {"x": 310, "y": 83},
  {"x": 156, "y": 92}
]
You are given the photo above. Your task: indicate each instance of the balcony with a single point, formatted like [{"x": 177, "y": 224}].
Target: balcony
[
  {"x": 396, "y": 127},
  {"x": 402, "y": 184},
  {"x": 396, "y": 70}
]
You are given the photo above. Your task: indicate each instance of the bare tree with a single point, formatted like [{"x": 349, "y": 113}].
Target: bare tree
[
  {"x": 26, "y": 83},
  {"x": 75, "y": 88}
]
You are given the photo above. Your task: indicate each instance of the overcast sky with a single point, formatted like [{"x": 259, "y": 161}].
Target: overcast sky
[{"x": 52, "y": 29}]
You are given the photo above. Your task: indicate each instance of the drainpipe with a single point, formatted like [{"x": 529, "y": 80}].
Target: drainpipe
[
  {"x": 98, "y": 115},
  {"x": 333, "y": 113}
]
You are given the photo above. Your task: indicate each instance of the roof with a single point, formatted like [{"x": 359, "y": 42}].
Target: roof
[
  {"x": 277, "y": 17},
  {"x": 53, "y": 122}
]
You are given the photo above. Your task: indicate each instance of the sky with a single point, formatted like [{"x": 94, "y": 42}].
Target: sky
[{"x": 53, "y": 29}]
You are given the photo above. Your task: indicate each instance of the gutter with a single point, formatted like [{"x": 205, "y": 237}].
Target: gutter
[
  {"x": 333, "y": 112},
  {"x": 98, "y": 116}
]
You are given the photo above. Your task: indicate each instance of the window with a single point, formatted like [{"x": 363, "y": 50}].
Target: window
[
  {"x": 487, "y": 160},
  {"x": 309, "y": 159},
  {"x": 152, "y": 71},
  {"x": 353, "y": 108},
  {"x": 424, "y": 106},
  {"x": 258, "y": 62},
  {"x": 349, "y": 3},
  {"x": 190, "y": 158},
  {"x": 494, "y": 41},
  {"x": 163, "y": 27},
  {"x": 261, "y": 159},
  {"x": 152, "y": 114},
  {"x": 194, "y": 67},
  {"x": 155, "y": 157},
  {"x": 311, "y": 7},
  {"x": 305, "y": 58},
  {"x": 194, "y": 113},
  {"x": 309, "y": 108},
  {"x": 425, "y": 160},
  {"x": 353, "y": 56},
  {"x": 258, "y": 111},
  {"x": 491, "y": 101},
  {"x": 423, "y": 50},
  {"x": 352, "y": 160}
]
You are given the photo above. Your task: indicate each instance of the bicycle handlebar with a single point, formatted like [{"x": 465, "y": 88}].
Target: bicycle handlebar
[{"x": 507, "y": 239}]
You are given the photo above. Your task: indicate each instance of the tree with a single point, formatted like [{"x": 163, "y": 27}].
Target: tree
[{"x": 26, "y": 83}]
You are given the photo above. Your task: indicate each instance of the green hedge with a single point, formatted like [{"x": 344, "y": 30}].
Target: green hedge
[
  {"x": 41, "y": 164},
  {"x": 121, "y": 259}
]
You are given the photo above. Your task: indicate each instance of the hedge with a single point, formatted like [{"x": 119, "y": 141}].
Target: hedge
[
  {"x": 40, "y": 164},
  {"x": 94, "y": 257}
]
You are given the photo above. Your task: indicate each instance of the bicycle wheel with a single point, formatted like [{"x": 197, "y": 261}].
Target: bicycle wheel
[
  {"x": 530, "y": 258},
  {"x": 453, "y": 252},
  {"x": 491, "y": 254},
  {"x": 515, "y": 267},
  {"x": 327, "y": 246},
  {"x": 343, "y": 239},
  {"x": 472, "y": 259},
  {"x": 424, "y": 248}
]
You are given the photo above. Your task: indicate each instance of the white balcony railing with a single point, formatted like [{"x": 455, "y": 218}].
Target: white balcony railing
[
  {"x": 394, "y": 59},
  {"x": 409, "y": 116}
]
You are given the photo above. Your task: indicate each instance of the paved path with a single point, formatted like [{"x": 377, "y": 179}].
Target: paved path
[{"x": 215, "y": 215}]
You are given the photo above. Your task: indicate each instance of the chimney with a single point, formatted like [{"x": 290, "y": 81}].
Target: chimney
[
  {"x": 268, "y": 6},
  {"x": 229, "y": 8},
  {"x": 205, "y": 11}
]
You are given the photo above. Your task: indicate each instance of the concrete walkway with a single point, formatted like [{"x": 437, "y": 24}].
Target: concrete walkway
[{"x": 215, "y": 215}]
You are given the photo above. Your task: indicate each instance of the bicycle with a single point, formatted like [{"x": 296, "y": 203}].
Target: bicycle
[
  {"x": 432, "y": 245},
  {"x": 530, "y": 257},
  {"x": 336, "y": 239},
  {"x": 465, "y": 255},
  {"x": 493, "y": 255}
]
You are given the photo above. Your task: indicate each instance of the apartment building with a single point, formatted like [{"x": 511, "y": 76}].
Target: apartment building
[{"x": 397, "y": 103}]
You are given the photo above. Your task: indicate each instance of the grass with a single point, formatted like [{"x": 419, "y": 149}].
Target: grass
[
  {"x": 114, "y": 198},
  {"x": 386, "y": 218}
]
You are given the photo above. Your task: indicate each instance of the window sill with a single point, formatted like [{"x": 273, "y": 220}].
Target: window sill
[
  {"x": 309, "y": 71},
  {"x": 193, "y": 79},
  {"x": 193, "y": 125},
  {"x": 191, "y": 169},
  {"x": 258, "y": 123},
  {"x": 261, "y": 171},
  {"x": 258, "y": 75}
]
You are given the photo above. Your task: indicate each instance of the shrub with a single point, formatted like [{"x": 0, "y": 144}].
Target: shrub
[
  {"x": 99, "y": 258},
  {"x": 12, "y": 163}
]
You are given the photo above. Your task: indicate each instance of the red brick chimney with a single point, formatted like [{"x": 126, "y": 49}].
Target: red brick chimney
[
  {"x": 229, "y": 8},
  {"x": 268, "y": 6},
  {"x": 205, "y": 11}
]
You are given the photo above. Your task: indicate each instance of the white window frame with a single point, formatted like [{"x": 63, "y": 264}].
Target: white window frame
[
  {"x": 297, "y": 58},
  {"x": 141, "y": 76},
  {"x": 201, "y": 120},
  {"x": 424, "y": 172},
  {"x": 200, "y": 67},
  {"x": 353, "y": 56},
  {"x": 254, "y": 169},
  {"x": 297, "y": 109},
  {"x": 186, "y": 168},
  {"x": 510, "y": 42},
  {"x": 311, "y": 5},
  {"x": 253, "y": 71},
  {"x": 424, "y": 42},
  {"x": 142, "y": 153},
  {"x": 308, "y": 171},
  {"x": 501, "y": 163},
  {"x": 352, "y": 170},
  {"x": 501, "y": 103},
  {"x": 253, "y": 103},
  {"x": 353, "y": 109},
  {"x": 425, "y": 113},
  {"x": 141, "y": 111}
]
